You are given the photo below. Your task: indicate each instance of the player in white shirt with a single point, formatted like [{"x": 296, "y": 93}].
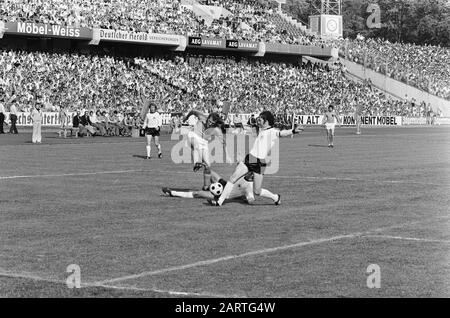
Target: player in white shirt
[
  {"x": 205, "y": 128},
  {"x": 152, "y": 127},
  {"x": 36, "y": 118},
  {"x": 242, "y": 189},
  {"x": 330, "y": 120},
  {"x": 2, "y": 114},
  {"x": 358, "y": 112},
  {"x": 255, "y": 160}
]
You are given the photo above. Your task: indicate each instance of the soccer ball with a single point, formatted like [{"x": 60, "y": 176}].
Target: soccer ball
[{"x": 216, "y": 189}]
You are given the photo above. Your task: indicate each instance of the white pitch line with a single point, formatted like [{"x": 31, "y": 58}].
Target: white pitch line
[
  {"x": 34, "y": 277},
  {"x": 190, "y": 173},
  {"x": 170, "y": 292},
  {"x": 408, "y": 238},
  {"x": 260, "y": 252},
  {"x": 30, "y": 276},
  {"x": 228, "y": 258},
  {"x": 69, "y": 174}
]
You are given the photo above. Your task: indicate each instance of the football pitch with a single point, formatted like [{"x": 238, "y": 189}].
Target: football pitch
[{"x": 380, "y": 199}]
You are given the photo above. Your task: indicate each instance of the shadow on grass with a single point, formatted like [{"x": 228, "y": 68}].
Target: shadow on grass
[
  {"x": 241, "y": 202},
  {"x": 140, "y": 157}
]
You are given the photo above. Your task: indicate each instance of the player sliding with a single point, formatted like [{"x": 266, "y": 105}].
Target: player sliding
[
  {"x": 255, "y": 160},
  {"x": 152, "y": 127},
  {"x": 206, "y": 127},
  {"x": 330, "y": 120},
  {"x": 243, "y": 189}
]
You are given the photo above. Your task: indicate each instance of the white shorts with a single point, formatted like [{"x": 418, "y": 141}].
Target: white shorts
[
  {"x": 196, "y": 141},
  {"x": 242, "y": 188},
  {"x": 330, "y": 126}
]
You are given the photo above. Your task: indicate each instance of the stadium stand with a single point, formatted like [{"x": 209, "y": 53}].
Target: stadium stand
[
  {"x": 249, "y": 20},
  {"x": 108, "y": 83},
  {"x": 425, "y": 67}
]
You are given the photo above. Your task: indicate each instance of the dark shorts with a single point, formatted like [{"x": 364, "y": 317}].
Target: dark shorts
[
  {"x": 152, "y": 132},
  {"x": 238, "y": 125},
  {"x": 223, "y": 182},
  {"x": 254, "y": 164}
]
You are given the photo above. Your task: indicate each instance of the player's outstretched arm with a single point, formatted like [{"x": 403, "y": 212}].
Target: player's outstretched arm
[
  {"x": 212, "y": 132},
  {"x": 290, "y": 132},
  {"x": 145, "y": 123},
  {"x": 197, "y": 114}
]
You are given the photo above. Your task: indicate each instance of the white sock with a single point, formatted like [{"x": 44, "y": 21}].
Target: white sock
[
  {"x": 159, "y": 148},
  {"x": 181, "y": 194},
  {"x": 226, "y": 192},
  {"x": 267, "y": 194},
  {"x": 148, "y": 150}
]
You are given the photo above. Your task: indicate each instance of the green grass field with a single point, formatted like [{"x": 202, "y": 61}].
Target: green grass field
[{"x": 380, "y": 198}]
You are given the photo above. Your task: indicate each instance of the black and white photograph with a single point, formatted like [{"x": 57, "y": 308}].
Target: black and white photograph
[{"x": 224, "y": 156}]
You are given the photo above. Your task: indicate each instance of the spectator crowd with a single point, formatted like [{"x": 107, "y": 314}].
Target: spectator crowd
[
  {"x": 425, "y": 67},
  {"x": 110, "y": 90},
  {"x": 251, "y": 86},
  {"x": 249, "y": 20}
]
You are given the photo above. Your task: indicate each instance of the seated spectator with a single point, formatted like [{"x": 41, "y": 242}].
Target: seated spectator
[
  {"x": 127, "y": 124},
  {"x": 85, "y": 125},
  {"x": 76, "y": 121}
]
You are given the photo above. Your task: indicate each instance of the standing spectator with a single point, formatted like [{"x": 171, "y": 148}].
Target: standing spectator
[
  {"x": 94, "y": 121},
  {"x": 2, "y": 115},
  {"x": 115, "y": 124},
  {"x": 13, "y": 118},
  {"x": 64, "y": 119},
  {"x": 76, "y": 121},
  {"x": 86, "y": 125},
  {"x": 101, "y": 123},
  {"x": 36, "y": 118},
  {"x": 127, "y": 125}
]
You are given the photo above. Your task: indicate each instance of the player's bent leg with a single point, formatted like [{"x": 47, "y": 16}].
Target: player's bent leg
[
  {"x": 259, "y": 191},
  {"x": 215, "y": 177},
  {"x": 240, "y": 171},
  {"x": 203, "y": 195},
  {"x": 206, "y": 178},
  {"x": 182, "y": 194}
]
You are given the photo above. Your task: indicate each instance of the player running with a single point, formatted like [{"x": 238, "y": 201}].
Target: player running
[
  {"x": 330, "y": 120},
  {"x": 255, "y": 160},
  {"x": 206, "y": 127},
  {"x": 243, "y": 189},
  {"x": 152, "y": 127},
  {"x": 358, "y": 112}
]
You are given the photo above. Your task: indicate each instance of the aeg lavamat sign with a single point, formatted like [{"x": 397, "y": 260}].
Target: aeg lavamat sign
[
  {"x": 242, "y": 45},
  {"x": 215, "y": 43},
  {"x": 206, "y": 42}
]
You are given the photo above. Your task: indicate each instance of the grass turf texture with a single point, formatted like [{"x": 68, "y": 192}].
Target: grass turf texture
[{"x": 380, "y": 198}]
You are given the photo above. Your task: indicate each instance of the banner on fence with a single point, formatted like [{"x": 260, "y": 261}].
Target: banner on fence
[
  {"x": 48, "y": 30},
  {"x": 52, "y": 119},
  {"x": 139, "y": 37}
]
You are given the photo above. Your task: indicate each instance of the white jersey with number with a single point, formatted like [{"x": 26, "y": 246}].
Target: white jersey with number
[
  {"x": 153, "y": 120},
  {"x": 264, "y": 142}
]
